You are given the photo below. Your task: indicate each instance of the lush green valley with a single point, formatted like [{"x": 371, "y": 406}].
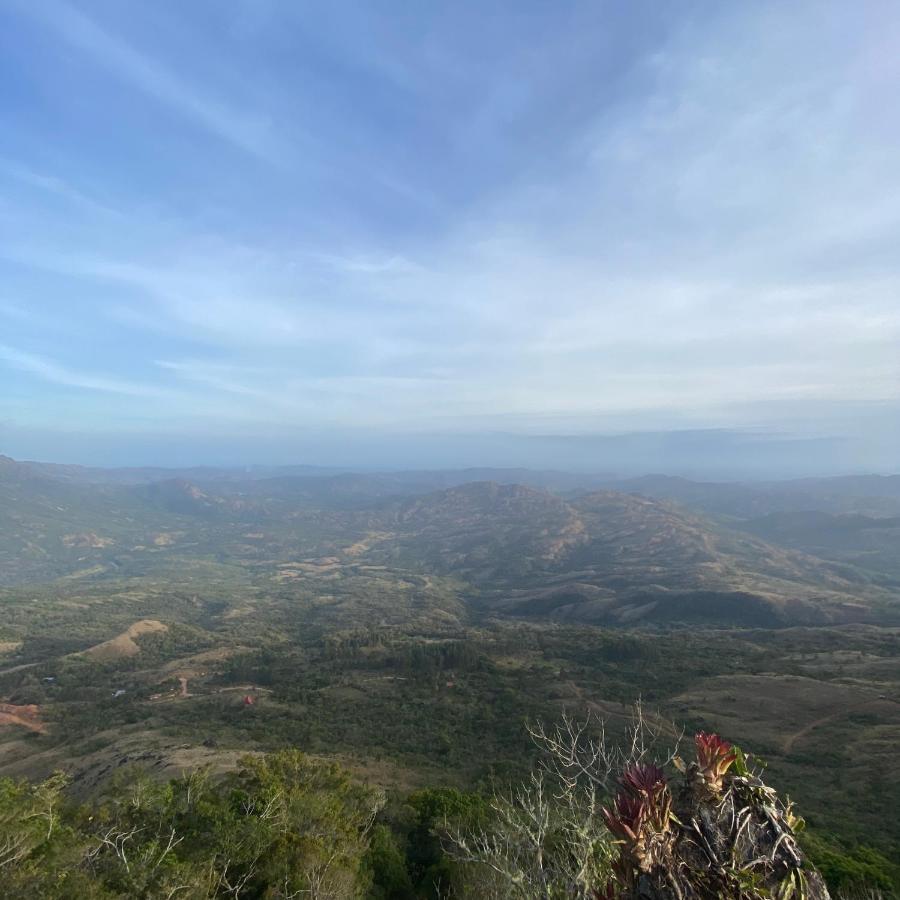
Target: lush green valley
[{"x": 408, "y": 627}]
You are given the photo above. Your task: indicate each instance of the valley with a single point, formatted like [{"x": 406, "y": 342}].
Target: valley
[{"x": 409, "y": 625}]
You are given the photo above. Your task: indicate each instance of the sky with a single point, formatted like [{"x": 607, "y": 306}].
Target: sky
[{"x": 449, "y": 233}]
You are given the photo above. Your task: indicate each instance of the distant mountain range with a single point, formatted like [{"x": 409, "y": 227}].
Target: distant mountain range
[
  {"x": 876, "y": 494},
  {"x": 872, "y": 494},
  {"x": 552, "y": 545}
]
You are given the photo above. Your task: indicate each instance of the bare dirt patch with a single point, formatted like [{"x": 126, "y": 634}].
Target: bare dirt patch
[
  {"x": 373, "y": 537},
  {"x": 28, "y": 716}
]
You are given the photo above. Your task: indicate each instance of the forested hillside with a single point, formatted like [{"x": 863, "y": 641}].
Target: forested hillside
[{"x": 173, "y": 626}]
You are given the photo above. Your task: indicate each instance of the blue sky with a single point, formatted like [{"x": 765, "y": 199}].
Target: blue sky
[{"x": 293, "y": 228}]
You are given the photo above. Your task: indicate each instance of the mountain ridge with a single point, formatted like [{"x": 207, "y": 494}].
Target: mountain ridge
[{"x": 612, "y": 556}]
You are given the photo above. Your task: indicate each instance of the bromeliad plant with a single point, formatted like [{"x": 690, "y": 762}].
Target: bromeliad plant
[
  {"x": 718, "y": 832},
  {"x": 643, "y": 779},
  {"x": 627, "y": 817},
  {"x": 643, "y": 799},
  {"x": 640, "y": 817},
  {"x": 714, "y": 758}
]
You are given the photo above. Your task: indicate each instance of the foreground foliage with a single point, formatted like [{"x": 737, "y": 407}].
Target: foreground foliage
[
  {"x": 598, "y": 820},
  {"x": 282, "y": 826}
]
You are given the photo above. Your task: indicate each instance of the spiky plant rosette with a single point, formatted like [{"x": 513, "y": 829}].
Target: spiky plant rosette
[
  {"x": 627, "y": 816},
  {"x": 643, "y": 798},
  {"x": 640, "y": 818},
  {"x": 714, "y": 758}
]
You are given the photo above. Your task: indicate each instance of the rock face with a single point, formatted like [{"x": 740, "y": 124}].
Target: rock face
[{"x": 721, "y": 833}]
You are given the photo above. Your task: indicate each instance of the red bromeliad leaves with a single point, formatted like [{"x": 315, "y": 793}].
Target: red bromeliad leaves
[
  {"x": 644, "y": 778},
  {"x": 714, "y": 757},
  {"x": 648, "y": 782},
  {"x": 643, "y": 800},
  {"x": 626, "y": 819}
]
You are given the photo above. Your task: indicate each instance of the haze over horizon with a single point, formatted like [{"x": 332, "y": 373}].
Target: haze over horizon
[{"x": 581, "y": 235}]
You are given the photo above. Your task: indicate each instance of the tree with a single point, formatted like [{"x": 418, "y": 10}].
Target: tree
[
  {"x": 303, "y": 826},
  {"x": 39, "y": 849},
  {"x": 282, "y": 826}
]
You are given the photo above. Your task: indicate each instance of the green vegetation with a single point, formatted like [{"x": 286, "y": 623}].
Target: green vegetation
[
  {"x": 413, "y": 708},
  {"x": 280, "y": 826},
  {"x": 285, "y": 825},
  {"x": 408, "y": 638}
]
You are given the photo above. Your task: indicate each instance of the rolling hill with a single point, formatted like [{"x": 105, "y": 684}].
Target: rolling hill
[
  {"x": 606, "y": 556},
  {"x": 409, "y": 623},
  {"x": 616, "y": 558}
]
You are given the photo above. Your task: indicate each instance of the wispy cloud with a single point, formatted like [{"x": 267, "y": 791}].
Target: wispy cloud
[
  {"x": 243, "y": 130},
  {"x": 688, "y": 223},
  {"x": 54, "y": 185},
  {"x": 51, "y": 371}
]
